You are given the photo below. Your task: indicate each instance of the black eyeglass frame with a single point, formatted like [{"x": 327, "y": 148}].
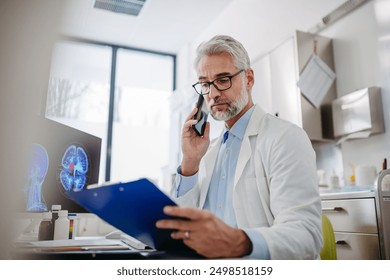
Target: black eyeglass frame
[{"x": 213, "y": 83}]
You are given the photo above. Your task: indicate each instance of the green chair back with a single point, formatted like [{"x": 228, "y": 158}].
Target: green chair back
[{"x": 328, "y": 251}]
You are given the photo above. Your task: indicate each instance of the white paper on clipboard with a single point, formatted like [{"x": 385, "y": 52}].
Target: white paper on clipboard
[{"x": 315, "y": 80}]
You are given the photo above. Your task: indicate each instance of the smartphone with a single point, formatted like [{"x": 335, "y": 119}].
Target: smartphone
[{"x": 201, "y": 115}]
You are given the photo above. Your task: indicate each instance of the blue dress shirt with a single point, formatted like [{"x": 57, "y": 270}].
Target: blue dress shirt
[{"x": 219, "y": 198}]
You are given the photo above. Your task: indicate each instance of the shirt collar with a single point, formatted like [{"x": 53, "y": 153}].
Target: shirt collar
[{"x": 238, "y": 129}]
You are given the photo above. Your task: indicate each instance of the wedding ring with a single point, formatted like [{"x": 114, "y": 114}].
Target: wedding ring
[{"x": 186, "y": 234}]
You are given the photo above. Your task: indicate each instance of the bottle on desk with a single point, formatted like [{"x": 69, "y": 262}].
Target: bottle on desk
[
  {"x": 55, "y": 209},
  {"x": 61, "y": 226},
  {"x": 46, "y": 227},
  {"x": 72, "y": 225},
  {"x": 334, "y": 180}
]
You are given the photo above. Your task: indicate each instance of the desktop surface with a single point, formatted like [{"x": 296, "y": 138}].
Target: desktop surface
[
  {"x": 31, "y": 254},
  {"x": 89, "y": 248}
]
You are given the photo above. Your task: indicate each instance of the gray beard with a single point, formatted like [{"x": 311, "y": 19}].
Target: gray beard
[{"x": 234, "y": 109}]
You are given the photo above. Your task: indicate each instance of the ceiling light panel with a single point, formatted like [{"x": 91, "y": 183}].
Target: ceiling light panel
[{"x": 128, "y": 7}]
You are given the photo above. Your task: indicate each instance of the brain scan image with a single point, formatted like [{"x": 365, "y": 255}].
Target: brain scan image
[
  {"x": 73, "y": 175},
  {"x": 37, "y": 169}
]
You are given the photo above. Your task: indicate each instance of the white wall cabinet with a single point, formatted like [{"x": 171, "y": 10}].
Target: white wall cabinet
[
  {"x": 276, "y": 77},
  {"x": 285, "y": 93},
  {"x": 262, "y": 88},
  {"x": 275, "y": 87}
]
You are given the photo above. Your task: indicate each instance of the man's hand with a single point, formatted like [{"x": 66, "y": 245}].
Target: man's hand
[
  {"x": 194, "y": 147},
  {"x": 206, "y": 233}
]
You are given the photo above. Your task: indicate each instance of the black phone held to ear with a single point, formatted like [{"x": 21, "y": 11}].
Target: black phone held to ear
[{"x": 201, "y": 116}]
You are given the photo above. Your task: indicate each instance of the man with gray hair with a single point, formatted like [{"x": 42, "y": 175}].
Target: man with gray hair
[{"x": 252, "y": 192}]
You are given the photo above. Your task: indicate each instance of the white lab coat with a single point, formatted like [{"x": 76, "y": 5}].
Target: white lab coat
[{"x": 275, "y": 187}]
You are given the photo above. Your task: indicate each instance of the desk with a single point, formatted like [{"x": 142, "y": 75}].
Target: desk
[
  {"x": 29, "y": 252},
  {"x": 102, "y": 255}
]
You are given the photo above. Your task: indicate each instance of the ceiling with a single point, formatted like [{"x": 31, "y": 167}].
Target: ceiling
[
  {"x": 168, "y": 25},
  {"x": 162, "y": 25}
]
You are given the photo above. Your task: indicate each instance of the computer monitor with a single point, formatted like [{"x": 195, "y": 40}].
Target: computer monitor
[{"x": 61, "y": 159}]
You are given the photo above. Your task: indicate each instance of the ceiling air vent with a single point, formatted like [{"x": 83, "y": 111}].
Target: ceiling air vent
[{"x": 128, "y": 7}]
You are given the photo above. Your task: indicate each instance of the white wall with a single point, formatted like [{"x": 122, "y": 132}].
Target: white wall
[
  {"x": 357, "y": 51},
  {"x": 244, "y": 20},
  {"x": 356, "y": 54}
]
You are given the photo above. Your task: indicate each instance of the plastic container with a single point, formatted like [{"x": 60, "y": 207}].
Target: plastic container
[
  {"x": 72, "y": 225},
  {"x": 334, "y": 181},
  {"x": 46, "y": 227},
  {"x": 352, "y": 178},
  {"x": 365, "y": 175},
  {"x": 321, "y": 178},
  {"x": 61, "y": 226},
  {"x": 54, "y": 210}
]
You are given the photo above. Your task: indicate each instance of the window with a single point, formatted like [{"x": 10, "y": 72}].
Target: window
[
  {"x": 136, "y": 131},
  {"x": 141, "y": 117}
]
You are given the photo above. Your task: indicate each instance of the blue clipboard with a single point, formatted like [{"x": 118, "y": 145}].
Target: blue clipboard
[{"x": 132, "y": 207}]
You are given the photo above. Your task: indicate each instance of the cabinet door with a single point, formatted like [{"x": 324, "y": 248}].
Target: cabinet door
[
  {"x": 284, "y": 77},
  {"x": 351, "y": 215},
  {"x": 354, "y": 246},
  {"x": 262, "y": 91}
]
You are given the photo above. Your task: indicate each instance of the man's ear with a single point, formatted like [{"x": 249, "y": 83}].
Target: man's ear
[{"x": 250, "y": 78}]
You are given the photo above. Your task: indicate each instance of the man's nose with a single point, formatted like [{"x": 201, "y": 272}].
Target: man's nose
[{"x": 214, "y": 92}]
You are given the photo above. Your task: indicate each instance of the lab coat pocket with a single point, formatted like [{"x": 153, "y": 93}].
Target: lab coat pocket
[{"x": 254, "y": 208}]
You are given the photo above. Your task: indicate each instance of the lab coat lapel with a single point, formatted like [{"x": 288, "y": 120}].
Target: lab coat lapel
[
  {"x": 246, "y": 150},
  {"x": 244, "y": 156}
]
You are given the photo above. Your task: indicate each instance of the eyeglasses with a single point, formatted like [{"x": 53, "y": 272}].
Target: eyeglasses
[{"x": 221, "y": 84}]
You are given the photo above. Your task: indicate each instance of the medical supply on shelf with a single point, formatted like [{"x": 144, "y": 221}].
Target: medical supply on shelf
[
  {"x": 46, "y": 227},
  {"x": 61, "y": 226}
]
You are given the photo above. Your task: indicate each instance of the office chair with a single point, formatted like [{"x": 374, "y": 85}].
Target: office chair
[{"x": 328, "y": 251}]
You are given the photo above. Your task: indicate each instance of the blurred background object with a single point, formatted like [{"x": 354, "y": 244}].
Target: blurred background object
[{"x": 28, "y": 30}]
